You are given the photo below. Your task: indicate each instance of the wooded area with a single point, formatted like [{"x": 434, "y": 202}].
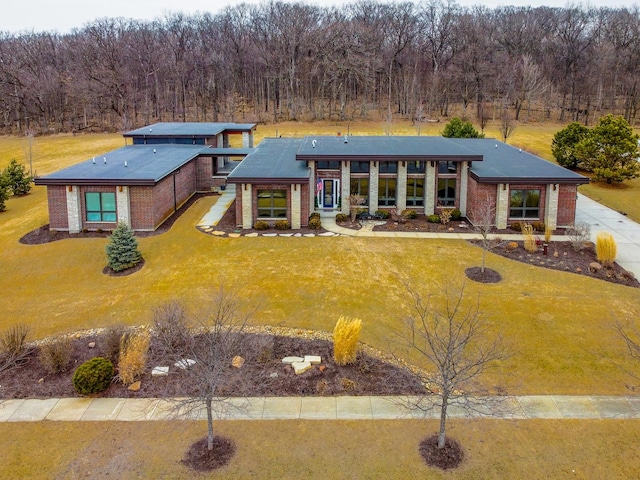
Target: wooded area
[{"x": 292, "y": 61}]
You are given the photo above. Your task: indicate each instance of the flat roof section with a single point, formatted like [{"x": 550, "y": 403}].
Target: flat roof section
[
  {"x": 506, "y": 164},
  {"x": 145, "y": 165},
  {"x": 188, "y": 129},
  {"x": 348, "y": 148},
  {"x": 274, "y": 161}
]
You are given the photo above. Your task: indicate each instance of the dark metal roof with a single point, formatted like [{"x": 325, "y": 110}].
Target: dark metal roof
[
  {"x": 189, "y": 129},
  {"x": 146, "y": 165},
  {"x": 384, "y": 149},
  {"x": 274, "y": 161},
  {"x": 506, "y": 164}
]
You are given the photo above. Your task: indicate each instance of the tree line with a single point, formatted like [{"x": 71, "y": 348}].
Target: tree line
[{"x": 292, "y": 61}]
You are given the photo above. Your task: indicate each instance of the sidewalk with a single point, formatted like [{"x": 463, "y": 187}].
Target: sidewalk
[{"x": 315, "y": 408}]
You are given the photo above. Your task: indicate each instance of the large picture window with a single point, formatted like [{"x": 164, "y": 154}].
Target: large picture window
[
  {"x": 272, "y": 203},
  {"x": 415, "y": 192},
  {"x": 387, "y": 192},
  {"x": 101, "y": 206},
  {"x": 360, "y": 186},
  {"x": 447, "y": 192},
  {"x": 524, "y": 204}
]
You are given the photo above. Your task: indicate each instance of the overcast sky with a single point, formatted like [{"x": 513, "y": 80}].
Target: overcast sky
[{"x": 64, "y": 15}]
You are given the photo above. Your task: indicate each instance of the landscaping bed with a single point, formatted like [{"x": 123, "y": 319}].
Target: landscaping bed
[{"x": 265, "y": 375}]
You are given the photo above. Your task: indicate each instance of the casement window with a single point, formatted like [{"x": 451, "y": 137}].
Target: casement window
[
  {"x": 100, "y": 206},
  {"x": 446, "y": 192},
  {"x": 447, "y": 167},
  {"x": 524, "y": 204},
  {"x": 272, "y": 203},
  {"x": 360, "y": 186},
  {"x": 359, "y": 167},
  {"x": 416, "y": 167},
  {"x": 415, "y": 192},
  {"x": 387, "y": 191},
  {"x": 328, "y": 165},
  {"x": 388, "y": 167}
]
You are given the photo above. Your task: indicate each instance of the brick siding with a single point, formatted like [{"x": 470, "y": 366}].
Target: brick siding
[{"x": 57, "y": 201}]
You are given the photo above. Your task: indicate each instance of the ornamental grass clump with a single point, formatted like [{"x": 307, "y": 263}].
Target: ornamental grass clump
[
  {"x": 345, "y": 340},
  {"x": 606, "y": 248},
  {"x": 529, "y": 240},
  {"x": 133, "y": 357}
]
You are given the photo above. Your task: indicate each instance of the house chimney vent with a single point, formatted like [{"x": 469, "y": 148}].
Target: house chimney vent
[
  {"x": 313, "y": 143},
  {"x": 125, "y": 164},
  {"x": 105, "y": 160}
]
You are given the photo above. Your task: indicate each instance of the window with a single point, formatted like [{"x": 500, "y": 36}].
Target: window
[
  {"x": 415, "y": 192},
  {"x": 524, "y": 204},
  {"x": 415, "y": 167},
  {"x": 359, "y": 167},
  {"x": 387, "y": 192},
  {"x": 101, "y": 207},
  {"x": 360, "y": 186},
  {"x": 447, "y": 167},
  {"x": 388, "y": 167},
  {"x": 447, "y": 192},
  {"x": 272, "y": 203},
  {"x": 332, "y": 165}
]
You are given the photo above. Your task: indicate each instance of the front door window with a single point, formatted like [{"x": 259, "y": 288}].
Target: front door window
[{"x": 327, "y": 194}]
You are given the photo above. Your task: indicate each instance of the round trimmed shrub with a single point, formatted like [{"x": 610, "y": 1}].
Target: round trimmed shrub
[
  {"x": 341, "y": 217},
  {"x": 315, "y": 223},
  {"x": 93, "y": 376},
  {"x": 409, "y": 214},
  {"x": 433, "y": 218},
  {"x": 282, "y": 225},
  {"x": 456, "y": 214},
  {"x": 261, "y": 225}
]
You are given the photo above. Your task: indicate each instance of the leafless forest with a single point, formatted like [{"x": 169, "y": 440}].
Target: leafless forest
[{"x": 292, "y": 61}]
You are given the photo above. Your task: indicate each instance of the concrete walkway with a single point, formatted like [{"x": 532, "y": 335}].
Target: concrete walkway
[
  {"x": 624, "y": 230},
  {"x": 218, "y": 209},
  {"x": 314, "y": 408}
]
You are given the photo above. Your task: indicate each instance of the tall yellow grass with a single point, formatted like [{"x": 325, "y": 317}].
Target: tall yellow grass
[
  {"x": 606, "y": 248},
  {"x": 133, "y": 356},
  {"x": 529, "y": 239},
  {"x": 345, "y": 340}
]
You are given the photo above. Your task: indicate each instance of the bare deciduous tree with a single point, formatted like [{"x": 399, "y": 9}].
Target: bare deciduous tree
[
  {"x": 631, "y": 336},
  {"x": 460, "y": 345}
]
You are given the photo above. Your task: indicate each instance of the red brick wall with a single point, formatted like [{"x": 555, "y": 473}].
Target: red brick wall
[
  {"x": 567, "y": 196},
  {"x": 477, "y": 196},
  {"x": 304, "y": 204},
  {"x": 204, "y": 172},
  {"x": 141, "y": 208},
  {"x": 163, "y": 193},
  {"x": 57, "y": 201}
]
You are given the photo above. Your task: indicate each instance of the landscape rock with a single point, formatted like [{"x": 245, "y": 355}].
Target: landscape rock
[
  {"x": 160, "y": 371},
  {"x": 300, "y": 367},
  {"x": 135, "y": 386},
  {"x": 273, "y": 375},
  {"x": 313, "y": 359},
  {"x": 290, "y": 360},
  {"x": 237, "y": 361},
  {"x": 595, "y": 267},
  {"x": 92, "y": 345},
  {"x": 184, "y": 363},
  {"x": 322, "y": 368},
  {"x": 41, "y": 380}
]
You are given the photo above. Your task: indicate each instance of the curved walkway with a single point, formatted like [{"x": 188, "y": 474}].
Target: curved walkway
[{"x": 316, "y": 408}]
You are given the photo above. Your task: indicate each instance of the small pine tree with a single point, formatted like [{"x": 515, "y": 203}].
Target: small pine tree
[
  {"x": 606, "y": 248},
  {"x": 3, "y": 197},
  {"x": 122, "y": 250},
  {"x": 15, "y": 178},
  {"x": 345, "y": 340},
  {"x": 458, "y": 128}
]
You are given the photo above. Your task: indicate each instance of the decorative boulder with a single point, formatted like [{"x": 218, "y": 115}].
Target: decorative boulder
[
  {"x": 300, "y": 367},
  {"x": 160, "y": 371},
  {"x": 290, "y": 360},
  {"x": 313, "y": 359},
  {"x": 184, "y": 363},
  {"x": 237, "y": 361}
]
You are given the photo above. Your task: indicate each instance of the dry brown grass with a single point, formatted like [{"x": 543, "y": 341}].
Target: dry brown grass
[
  {"x": 496, "y": 449},
  {"x": 133, "y": 356}
]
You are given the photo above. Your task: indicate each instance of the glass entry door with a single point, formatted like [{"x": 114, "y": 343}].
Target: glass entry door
[{"x": 330, "y": 192}]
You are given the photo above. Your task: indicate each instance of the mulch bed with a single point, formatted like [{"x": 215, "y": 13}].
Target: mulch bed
[
  {"x": 199, "y": 458},
  {"x": 488, "y": 276},
  {"x": 562, "y": 256},
  {"x": 368, "y": 376},
  {"x": 123, "y": 273},
  {"x": 446, "y": 458}
]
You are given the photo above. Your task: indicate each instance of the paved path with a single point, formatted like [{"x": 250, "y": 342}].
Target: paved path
[
  {"x": 624, "y": 230},
  {"x": 315, "y": 408},
  {"x": 218, "y": 209}
]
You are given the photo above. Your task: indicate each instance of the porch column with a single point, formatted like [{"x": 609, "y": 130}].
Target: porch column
[
  {"x": 373, "y": 186},
  {"x": 502, "y": 205},
  {"x": 401, "y": 187},
  {"x": 295, "y": 207},
  {"x": 123, "y": 206},
  {"x": 345, "y": 171},
  {"x": 73, "y": 209},
  {"x": 464, "y": 182},
  {"x": 313, "y": 192},
  {"x": 247, "y": 205},
  {"x": 247, "y": 139},
  {"x": 551, "y": 206},
  {"x": 430, "y": 188}
]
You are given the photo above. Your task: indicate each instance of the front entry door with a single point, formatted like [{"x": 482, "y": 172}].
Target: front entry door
[{"x": 329, "y": 193}]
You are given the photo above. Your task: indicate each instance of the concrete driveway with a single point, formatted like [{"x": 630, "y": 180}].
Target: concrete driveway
[{"x": 624, "y": 230}]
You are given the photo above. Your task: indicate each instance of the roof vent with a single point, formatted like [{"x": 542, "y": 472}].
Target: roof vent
[
  {"x": 346, "y": 140},
  {"x": 313, "y": 143},
  {"x": 125, "y": 164},
  {"x": 105, "y": 160},
  {"x": 94, "y": 160},
  {"x": 154, "y": 150},
  {"x": 496, "y": 145},
  {"x": 520, "y": 150},
  {"x": 151, "y": 130}
]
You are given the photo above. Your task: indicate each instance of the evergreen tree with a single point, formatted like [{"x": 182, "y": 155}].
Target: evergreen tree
[
  {"x": 3, "y": 197},
  {"x": 563, "y": 145},
  {"x": 457, "y": 128},
  {"x": 15, "y": 178},
  {"x": 610, "y": 151},
  {"x": 122, "y": 250}
]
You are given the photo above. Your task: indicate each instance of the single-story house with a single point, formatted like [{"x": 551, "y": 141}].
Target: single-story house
[{"x": 289, "y": 178}]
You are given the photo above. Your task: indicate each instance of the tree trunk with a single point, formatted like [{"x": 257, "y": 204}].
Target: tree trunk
[
  {"x": 209, "y": 424},
  {"x": 443, "y": 421}
]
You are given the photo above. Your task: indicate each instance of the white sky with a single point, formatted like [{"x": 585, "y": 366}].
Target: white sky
[{"x": 64, "y": 15}]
